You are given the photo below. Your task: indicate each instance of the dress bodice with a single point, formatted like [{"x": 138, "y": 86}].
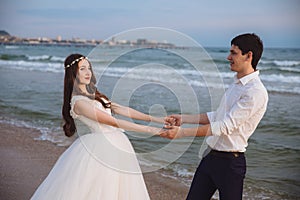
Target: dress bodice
[{"x": 93, "y": 125}]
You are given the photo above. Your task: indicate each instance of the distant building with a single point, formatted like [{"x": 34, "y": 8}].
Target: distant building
[
  {"x": 6, "y": 38},
  {"x": 141, "y": 41},
  {"x": 58, "y": 38}
]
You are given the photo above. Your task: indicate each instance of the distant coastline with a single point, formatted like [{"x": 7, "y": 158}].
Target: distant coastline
[{"x": 7, "y": 39}]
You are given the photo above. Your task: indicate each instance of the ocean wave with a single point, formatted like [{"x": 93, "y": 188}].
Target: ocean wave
[
  {"x": 57, "y": 59},
  {"x": 283, "y": 63},
  {"x": 32, "y": 66},
  {"x": 42, "y": 57},
  {"x": 268, "y": 69},
  {"x": 21, "y": 123},
  {"x": 45, "y": 58},
  {"x": 280, "y": 78},
  {"x": 181, "y": 171},
  {"x": 167, "y": 75},
  {"x": 54, "y": 134},
  {"x": 289, "y": 69},
  {"x": 12, "y": 57},
  {"x": 11, "y": 47},
  {"x": 283, "y": 147},
  {"x": 286, "y": 63},
  {"x": 218, "y": 61},
  {"x": 295, "y": 90}
]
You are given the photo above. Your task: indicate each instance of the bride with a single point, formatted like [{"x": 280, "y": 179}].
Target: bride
[{"x": 100, "y": 165}]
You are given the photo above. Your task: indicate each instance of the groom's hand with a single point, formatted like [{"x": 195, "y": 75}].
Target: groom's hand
[
  {"x": 173, "y": 120},
  {"x": 172, "y": 132}
]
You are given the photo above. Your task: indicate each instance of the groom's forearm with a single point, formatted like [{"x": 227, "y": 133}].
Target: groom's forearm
[
  {"x": 195, "y": 119},
  {"x": 200, "y": 131}
]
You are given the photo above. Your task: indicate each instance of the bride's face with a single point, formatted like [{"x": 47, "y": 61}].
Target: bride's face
[{"x": 84, "y": 72}]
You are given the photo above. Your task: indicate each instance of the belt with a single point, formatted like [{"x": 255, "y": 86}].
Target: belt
[{"x": 226, "y": 154}]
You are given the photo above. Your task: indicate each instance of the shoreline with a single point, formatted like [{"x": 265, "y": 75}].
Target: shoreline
[{"x": 25, "y": 163}]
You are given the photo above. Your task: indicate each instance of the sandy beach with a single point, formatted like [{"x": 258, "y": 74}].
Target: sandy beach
[{"x": 25, "y": 162}]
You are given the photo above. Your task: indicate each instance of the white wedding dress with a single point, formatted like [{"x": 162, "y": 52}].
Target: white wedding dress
[{"x": 101, "y": 165}]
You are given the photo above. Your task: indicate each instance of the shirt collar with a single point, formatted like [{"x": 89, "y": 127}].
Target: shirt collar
[{"x": 244, "y": 80}]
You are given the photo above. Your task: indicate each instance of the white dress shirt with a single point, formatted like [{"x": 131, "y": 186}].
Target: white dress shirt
[{"x": 241, "y": 109}]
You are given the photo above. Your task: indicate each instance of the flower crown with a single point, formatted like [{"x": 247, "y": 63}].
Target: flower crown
[{"x": 74, "y": 61}]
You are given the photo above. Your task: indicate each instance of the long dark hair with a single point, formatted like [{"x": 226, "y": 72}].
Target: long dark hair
[{"x": 71, "y": 88}]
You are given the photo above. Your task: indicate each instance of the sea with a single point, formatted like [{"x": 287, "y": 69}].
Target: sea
[{"x": 163, "y": 81}]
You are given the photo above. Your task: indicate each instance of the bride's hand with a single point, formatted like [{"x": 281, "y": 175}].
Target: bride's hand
[
  {"x": 155, "y": 130},
  {"x": 172, "y": 132}
]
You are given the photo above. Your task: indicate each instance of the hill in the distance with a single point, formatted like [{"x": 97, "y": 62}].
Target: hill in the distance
[{"x": 4, "y": 33}]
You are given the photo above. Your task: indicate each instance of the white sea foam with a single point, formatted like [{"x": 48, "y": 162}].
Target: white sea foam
[
  {"x": 281, "y": 62},
  {"x": 280, "y": 78},
  {"x": 57, "y": 59},
  {"x": 286, "y": 63},
  {"x": 11, "y": 47},
  {"x": 43, "y": 57},
  {"x": 289, "y": 69}
]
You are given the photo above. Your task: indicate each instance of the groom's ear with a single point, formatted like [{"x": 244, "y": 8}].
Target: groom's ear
[{"x": 249, "y": 55}]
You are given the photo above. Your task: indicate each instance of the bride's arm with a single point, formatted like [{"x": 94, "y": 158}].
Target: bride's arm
[
  {"x": 134, "y": 114},
  {"x": 85, "y": 108}
]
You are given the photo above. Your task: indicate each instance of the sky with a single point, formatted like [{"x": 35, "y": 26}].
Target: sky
[{"x": 211, "y": 23}]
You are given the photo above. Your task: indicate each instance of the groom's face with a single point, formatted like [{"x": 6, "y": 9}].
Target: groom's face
[{"x": 236, "y": 59}]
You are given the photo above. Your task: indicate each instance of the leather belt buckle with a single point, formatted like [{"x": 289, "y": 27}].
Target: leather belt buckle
[{"x": 235, "y": 154}]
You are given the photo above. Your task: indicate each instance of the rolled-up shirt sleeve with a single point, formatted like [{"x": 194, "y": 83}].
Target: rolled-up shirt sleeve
[
  {"x": 215, "y": 125},
  {"x": 238, "y": 114},
  {"x": 211, "y": 116}
]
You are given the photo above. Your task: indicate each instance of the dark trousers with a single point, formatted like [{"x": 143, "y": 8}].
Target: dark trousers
[{"x": 220, "y": 171}]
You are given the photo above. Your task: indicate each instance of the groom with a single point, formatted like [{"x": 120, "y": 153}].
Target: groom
[{"x": 229, "y": 127}]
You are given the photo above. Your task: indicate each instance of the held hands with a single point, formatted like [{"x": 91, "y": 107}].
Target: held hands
[
  {"x": 173, "y": 120},
  {"x": 172, "y": 128},
  {"x": 172, "y": 132}
]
